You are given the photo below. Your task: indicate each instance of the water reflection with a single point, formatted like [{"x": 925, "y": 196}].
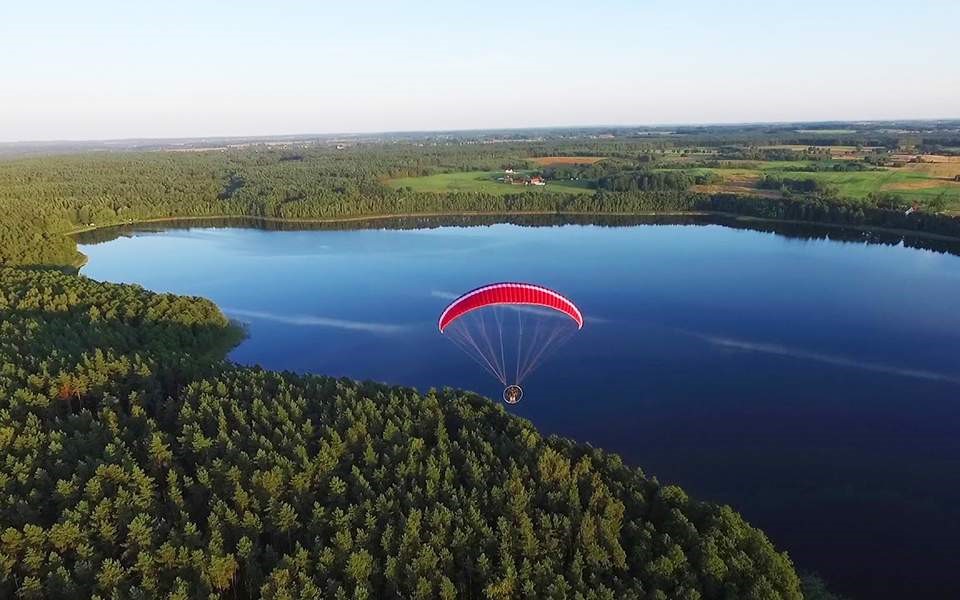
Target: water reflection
[{"x": 799, "y": 231}]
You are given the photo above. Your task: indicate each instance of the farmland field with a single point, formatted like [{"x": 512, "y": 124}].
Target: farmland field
[
  {"x": 481, "y": 181},
  {"x": 913, "y": 181},
  {"x": 920, "y": 181},
  {"x": 837, "y": 151},
  {"x": 546, "y": 161}
]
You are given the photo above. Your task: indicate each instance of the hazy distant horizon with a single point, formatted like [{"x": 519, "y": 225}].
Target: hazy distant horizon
[
  {"x": 111, "y": 70},
  {"x": 401, "y": 132}
]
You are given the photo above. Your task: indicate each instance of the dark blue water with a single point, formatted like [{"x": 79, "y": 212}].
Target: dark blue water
[{"x": 814, "y": 385}]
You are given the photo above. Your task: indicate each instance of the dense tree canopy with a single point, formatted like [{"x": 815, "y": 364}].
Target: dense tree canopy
[
  {"x": 656, "y": 181},
  {"x": 137, "y": 464}
]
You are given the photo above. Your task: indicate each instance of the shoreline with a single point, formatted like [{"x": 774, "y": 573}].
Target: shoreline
[
  {"x": 384, "y": 217},
  {"x": 526, "y": 213}
]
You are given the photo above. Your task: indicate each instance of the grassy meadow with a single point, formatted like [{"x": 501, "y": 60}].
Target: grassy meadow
[{"x": 913, "y": 181}]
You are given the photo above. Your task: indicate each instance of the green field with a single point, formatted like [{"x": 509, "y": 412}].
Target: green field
[
  {"x": 909, "y": 183},
  {"x": 482, "y": 181}
]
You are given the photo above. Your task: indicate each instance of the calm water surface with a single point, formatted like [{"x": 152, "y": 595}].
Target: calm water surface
[{"x": 814, "y": 385}]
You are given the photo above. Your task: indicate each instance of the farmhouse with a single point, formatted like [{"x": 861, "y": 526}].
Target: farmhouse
[{"x": 522, "y": 180}]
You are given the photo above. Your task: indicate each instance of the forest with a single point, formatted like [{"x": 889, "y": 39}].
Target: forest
[
  {"x": 44, "y": 198},
  {"x": 138, "y": 464}
]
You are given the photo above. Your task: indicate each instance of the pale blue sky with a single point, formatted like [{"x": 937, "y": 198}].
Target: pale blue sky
[{"x": 111, "y": 69}]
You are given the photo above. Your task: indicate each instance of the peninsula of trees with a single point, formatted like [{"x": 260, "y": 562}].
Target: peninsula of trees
[{"x": 137, "y": 464}]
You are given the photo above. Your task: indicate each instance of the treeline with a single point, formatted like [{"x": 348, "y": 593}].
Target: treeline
[
  {"x": 840, "y": 166},
  {"x": 772, "y": 154},
  {"x": 655, "y": 181},
  {"x": 834, "y": 211},
  {"x": 794, "y": 184},
  {"x": 137, "y": 464},
  {"x": 619, "y": 175},
  {"x": 42, "y": 199},
  {"x": 593, "y": 170}
]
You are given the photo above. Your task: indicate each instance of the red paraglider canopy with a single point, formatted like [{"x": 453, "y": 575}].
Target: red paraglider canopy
[{"x": 509, "y": 293}]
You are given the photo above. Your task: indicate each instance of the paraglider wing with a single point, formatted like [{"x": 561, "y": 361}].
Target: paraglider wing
[
  {"x": 509, "y": 328},
  {"x": 509, "y": 293}
]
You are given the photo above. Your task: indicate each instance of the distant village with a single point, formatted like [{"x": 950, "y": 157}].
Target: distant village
[{"x": 513, "y": 178}]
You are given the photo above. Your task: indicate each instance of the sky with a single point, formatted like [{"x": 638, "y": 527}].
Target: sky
[{"x": 105, "y": 69}]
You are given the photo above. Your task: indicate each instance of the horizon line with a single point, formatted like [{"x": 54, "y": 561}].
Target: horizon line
[{"x": 663, "y": 125}]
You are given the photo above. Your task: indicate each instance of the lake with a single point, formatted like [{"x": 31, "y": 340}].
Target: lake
[{"x": 808, "y": 378}]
